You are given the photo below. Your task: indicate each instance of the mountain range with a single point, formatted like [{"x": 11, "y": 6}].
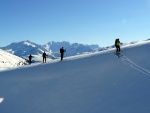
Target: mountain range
[{"x": 24, "y": 48}]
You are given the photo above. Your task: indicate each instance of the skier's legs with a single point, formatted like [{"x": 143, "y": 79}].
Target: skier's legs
[
  {"x": 29, "y": 61},
  {"x": 45, "y": 60},
  {"x": 116, "y": 49},
  {"x": 61, "y": 56},
  {"x": 119, "y": 48}
]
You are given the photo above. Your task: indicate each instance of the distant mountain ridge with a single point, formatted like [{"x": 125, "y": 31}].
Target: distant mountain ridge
[{"x": 24, "y": 48}]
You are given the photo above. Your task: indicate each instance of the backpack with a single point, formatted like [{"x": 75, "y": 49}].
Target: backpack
[{"x": 117, "y": 42}]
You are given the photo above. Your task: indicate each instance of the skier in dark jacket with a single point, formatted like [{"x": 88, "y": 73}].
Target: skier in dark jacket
[
  {"x": 44, "y": 57},
  {"x": 62, "y": 50},
  {"x": 30, "y": 58},
  {"x": 117, "y": 45}
]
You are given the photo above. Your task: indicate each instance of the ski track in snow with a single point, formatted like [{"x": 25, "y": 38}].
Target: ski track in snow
[{"x": 134, "y": 66}]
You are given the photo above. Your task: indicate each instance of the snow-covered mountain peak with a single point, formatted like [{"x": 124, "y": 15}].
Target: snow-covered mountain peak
[
  {"x": 29, "y": 44},
  {"x": 24, "y": 48}
]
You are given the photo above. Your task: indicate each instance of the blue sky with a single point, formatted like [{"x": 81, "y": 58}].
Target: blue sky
[{"x": 83, "y": 21}]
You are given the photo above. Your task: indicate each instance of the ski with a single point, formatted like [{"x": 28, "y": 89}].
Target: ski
[{"x": 118, "y": 54}]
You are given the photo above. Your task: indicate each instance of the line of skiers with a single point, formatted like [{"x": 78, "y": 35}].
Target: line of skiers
[
  {"x": 44, "y": 55},
  {"x": 62, "y": 50}
]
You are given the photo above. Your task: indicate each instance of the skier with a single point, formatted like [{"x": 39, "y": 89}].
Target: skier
[
  {"x": 44, "y": 57},
  {"x": 62, "y": 50},
  {"x": 30, "y": 58},
  {"x": 117, "y": 45}
]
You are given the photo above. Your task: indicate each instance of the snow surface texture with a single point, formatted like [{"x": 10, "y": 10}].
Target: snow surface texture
[
  {"x": 98, "y": 82},
  {"x": 8, "y": 60}
]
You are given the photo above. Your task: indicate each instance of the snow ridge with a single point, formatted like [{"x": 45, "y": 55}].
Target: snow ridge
[{"x": 8, "y": 60}]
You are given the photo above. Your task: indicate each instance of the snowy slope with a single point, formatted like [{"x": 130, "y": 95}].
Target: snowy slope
[
  {"x": 8, "y": 60},
  {"x": 98, "y": 82}
]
